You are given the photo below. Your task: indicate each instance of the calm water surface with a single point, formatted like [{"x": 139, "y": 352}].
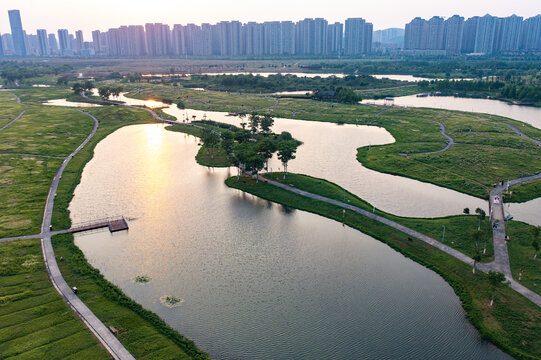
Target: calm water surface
[{"x": 258, "y": 281}]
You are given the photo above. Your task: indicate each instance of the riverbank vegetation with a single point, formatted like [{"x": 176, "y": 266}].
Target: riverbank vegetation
[
  {"x": 35, "y": 323},
  {"x": 512, "y": 322}
]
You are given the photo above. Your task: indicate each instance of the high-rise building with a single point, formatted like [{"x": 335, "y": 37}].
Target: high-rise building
[
  {"x": 43, "y": 42},
  {"x": 53, "y": 44},
  {"x": 453, "y": 34},
  {"x": 158, "y": 39},
  {"x": 485, "y": 36},
  {"x": 335, "y": 34},
  {"x": 17, "y": 32},
  {"x": 414, "y": 34},
  {"x": 433, "y": 34},
  {"x": 7, "y": 44},
  {"x": 287, "y": 29},
  {"x": 304, "y": 39},
  {"x": 531, "y": 34},
  {"x": 469, "y": 34},
  {"x": 1, "y": 47},
  {"x": 357, "y": 37},
  {"x": 271, "y": 38},
  {"x": 79, "y": 40},
  {"x": 64, "y": 42},
  {"x": 96, "y": 41},
  {"x": 509, "y": 34}
]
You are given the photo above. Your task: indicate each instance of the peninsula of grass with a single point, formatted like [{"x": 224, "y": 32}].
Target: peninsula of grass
[
  {"x": 35, "y": 323},
  {"x": 216, "y": 157},
  {"x": 523, "y": 192},
  {"x": 512, "y": 323}
]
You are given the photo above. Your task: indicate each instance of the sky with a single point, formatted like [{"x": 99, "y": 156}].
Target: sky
[{"x": 88, "y": 15}]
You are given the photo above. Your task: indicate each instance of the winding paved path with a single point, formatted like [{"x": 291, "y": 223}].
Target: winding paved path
[
  {"x": 12, "y": 121},
  {"x": 100, "y": 331},
  {"x": 450, "y": 142}
]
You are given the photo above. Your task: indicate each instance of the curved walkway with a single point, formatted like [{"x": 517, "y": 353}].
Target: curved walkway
[
  {"x": 501, "y": 255},
  {"x": 100, "y": 331},
  {"x": 501, "y": 262},
  {"x": 520, "y": 133},
  {"x": 12, "y": 121},
  {"x": 450, "y": 142}
]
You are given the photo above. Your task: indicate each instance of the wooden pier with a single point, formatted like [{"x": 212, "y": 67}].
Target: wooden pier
[{"x": 114, "y": 224}]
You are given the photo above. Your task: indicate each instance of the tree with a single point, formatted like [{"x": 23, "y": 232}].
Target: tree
[
  {"x": 227, "y": 141},
  {"x": 286, "y": 152},
  {"x": 466, "y": 211},
  {"x": 104, "y": 92},
  {"x": 534, "y": 232},
  {"x": 181, "y": 105},
  {"x": 495, "y": 279},
  {"x": 254, "y": 123},
  {"x": 210, "y": 139},
  {"x": 266, "y": 148},
  {"x": 88, "y": 85},
  {"x": 266, "y": 124},
  {"x": 477, "y": 235},
  {"x": 77, "y": 88},
  {"x": 242, "y": 118},
  {"x": 481, "y": 213}
]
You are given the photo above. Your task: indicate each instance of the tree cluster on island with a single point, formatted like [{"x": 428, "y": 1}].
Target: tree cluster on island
[{"x": 252, "y": 146}]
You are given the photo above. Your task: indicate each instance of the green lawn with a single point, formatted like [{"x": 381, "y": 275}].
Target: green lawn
[
  {"x": 521, "y": 254},
  {"x": 24, "y": 185},
  {"x": 46, "y": 130},
  {"x": 523, "y": 192},
  {"x": 10, "y": 109},
  {"x": 35, "y": 323},
  {"x": 36, "y": 95},
  {"x": 513, "y": 323},
  {"x": 216, "y": 157}
]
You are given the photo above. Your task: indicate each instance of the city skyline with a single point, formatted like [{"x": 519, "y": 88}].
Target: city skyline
[{"x": 83, "y": 16}]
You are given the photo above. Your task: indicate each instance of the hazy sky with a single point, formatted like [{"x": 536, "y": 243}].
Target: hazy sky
[{"x": 89, "y": 15}]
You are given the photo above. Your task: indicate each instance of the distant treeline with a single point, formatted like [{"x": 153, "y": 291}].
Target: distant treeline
[
  {"x": 12, "y": 71},
  {"x": 273, "y": 83},
  {"x": 516, "y": 91}
]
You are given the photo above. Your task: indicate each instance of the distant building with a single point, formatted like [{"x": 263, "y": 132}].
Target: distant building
[
  {"x": 335, "y": 35},
  {"x": 17, "y": 32},
  {"x": 531, "y": 34},
  {"x": 357, "y": 37},
  {"x": 469, "y": 34},
  {"x": 486, "y": 35},
  {"x": 79, "y": 40},
  {"x": 43, "y": 42},
  {"x": 453, "y": 34},
  {"x": 509, "y": 34},
  {"x": 53, "y": 44}
]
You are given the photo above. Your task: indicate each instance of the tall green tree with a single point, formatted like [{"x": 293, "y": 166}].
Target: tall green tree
[{"x": 286, "y": 152}]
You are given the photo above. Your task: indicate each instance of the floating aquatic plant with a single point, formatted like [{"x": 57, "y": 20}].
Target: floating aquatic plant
[
  {"x": 171, "y": 301},
  {"x": 142, "y": 279}
]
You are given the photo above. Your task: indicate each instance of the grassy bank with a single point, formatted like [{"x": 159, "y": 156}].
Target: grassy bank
[
  {"x": 523, "y": 192},
  {"x": 513, "y": 323},
  {"x": 216, "y": 157},
  {"x": 35, "y": 323}
]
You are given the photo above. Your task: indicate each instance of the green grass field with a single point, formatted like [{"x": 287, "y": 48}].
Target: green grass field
[
  {"x": 35, "y": 323},
  {"x": 513, "y": 323}
]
